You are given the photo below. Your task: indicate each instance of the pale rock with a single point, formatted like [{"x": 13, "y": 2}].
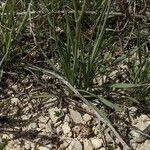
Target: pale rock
[
  {"x": 10, "y": 92},
  {"x": 103, "y": 148},
  {"x": 57, "y": 124},
  {"x": 32, "y": 126},
  {"x": 5, "y": 136},
  {"x": 66, "y": 119},
  {"x": 143, "y": 124},
  {"x": 15, "y": 87},
  {"x": 76, "y": 129},
  {"x": 24, "y": 117},
  {"x": 96, "y": 142},
  {"x": 43, "y": 119},
  {"x": 66, "y": 142},
  {"x": 133, "y": 111},
  {"x": 85, "y": 106},
  {"x": 15, "y": 100},
  {"x": 144, "y": 118},
  {"x": 145, "y": 145},
  {"x": 69, "y": 134},
  {"x": 96, "y": 129},
  {"x": 75, "y": 145},
  {"x": 133, "y": 144},
  {"x": 13, "y": 145},
  {"x": 46, "y": 147},
  {"x": 86, "y": 117},
  {"x": 66, "y": 129},
  {"x": 64, "y": 110},
  {"x": 59, "y": 130},
  {"x": 76, "y": 116},
  {"x": 48, "y": 129},
  {"x": 87, "y": 145},
  {"x": 27, "y": 146}
]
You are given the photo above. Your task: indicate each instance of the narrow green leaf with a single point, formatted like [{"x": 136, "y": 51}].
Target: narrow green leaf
[
  {"x": 125, "y": 85},
  {"x": 103, "y": 100}
]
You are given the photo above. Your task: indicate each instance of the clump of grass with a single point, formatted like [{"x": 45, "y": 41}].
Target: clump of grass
[{"x": 75, "y": 40}]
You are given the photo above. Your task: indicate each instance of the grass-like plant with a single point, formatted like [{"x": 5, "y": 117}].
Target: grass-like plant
[{"x": 71, "y": 37}]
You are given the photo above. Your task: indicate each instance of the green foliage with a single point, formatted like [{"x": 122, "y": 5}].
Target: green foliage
[{"x": 71, "y": 38}]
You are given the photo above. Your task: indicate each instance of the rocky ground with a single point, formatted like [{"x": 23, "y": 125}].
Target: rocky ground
[{"x": 28, "y": 123}]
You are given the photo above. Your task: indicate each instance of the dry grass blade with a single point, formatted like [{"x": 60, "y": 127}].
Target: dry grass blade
[{"x": 51, "y": 73}]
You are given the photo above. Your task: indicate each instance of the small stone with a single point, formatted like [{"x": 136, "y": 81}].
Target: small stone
[
  {"x": 133, "y": 111},
  {"x": 87, "y": 145},
  {"x": 76, "y": 129},
  {"x": 5, "y": 136},
  {"x": 57, "y": 123},
  {"x": 145, "y": 145},
  {"x": 76, "y": 116},
  {"x": 69, "y": 134},
  {"x": 96, "y": 142},
  {"x": 142, "y": 138},
  {"x": 66, "y": 142},
  {"x": 86, "y": 117},
  {"x": 32, "y": 126},
  {"x": 103, "y": 148},
  {"x": 75, "y": 145},
  {"x": 64, "y": 110},
  {"x": 27, "y": 146},
  {"x": 143, "y": 124},
  {"x": 43, "y": 119},
  {"x": 144, "y": 118},
  {"x": 15, "y": 87},
  {"x": 96, "y": 129},
  {"x": 47, "y": 147},
  {"x": 66, "y": 129},
  {"x": 15, "y": 100},
  {"x": 24, "y": 117},
  {"x": 66, "y": 119},
  {"x": 59, "y": 130}
]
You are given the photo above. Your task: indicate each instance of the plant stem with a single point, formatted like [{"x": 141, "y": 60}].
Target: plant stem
[{"x": 77, "y": 33}]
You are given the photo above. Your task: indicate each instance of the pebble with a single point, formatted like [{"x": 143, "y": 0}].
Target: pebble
[
  {"x": 15, "y": 87},
  {"x": 65, "y": 143},
  {"x": 47, "y": 147},
  {"x": 15, "y": 100},
  {"x": 66, "y": 119},
  {"x": 87, "y": 145},
  {"x": 59, "y": 130},
  {"x": 143, "y": 124},
  {"x": 86, "y": 117},
  {"x": 75, "y": 145},
  {"x": 103, "y": 148},
  {"x": 66, "y": 129},
  {"x": 76, "y": 116},
  {"x": 96, "y": 142},
  {"x": 32, "y": 126},
  {"x": 27, "y": 146},
  {"x": 76, "y": 129},
  {"x": 133, "y": 111},
  {"x": 145, "y": 145}
]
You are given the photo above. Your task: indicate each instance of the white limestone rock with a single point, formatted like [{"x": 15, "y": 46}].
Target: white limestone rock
[
  {"x": 66, "y": 129},
  {"x": 87, "y": 145},
  {"x": 96, "y": 142},
  {"x": 75, "y": 145},
  {"x": 76, "y": 116}
]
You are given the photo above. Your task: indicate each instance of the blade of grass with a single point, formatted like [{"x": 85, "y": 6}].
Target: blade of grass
[
  {"x": 103, "y": 100},
  {"x": 126, "y": 85}
]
